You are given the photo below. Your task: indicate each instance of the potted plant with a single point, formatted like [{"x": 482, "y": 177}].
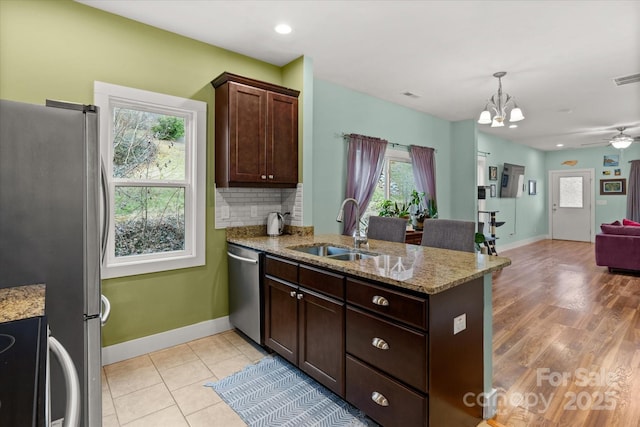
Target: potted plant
[
  {"x": 387, "y": 208},
  {"x": 418, "y": 212},
  {"x": 479, "y": 240}
]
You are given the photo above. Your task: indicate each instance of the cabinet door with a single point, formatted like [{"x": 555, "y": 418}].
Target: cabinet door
[
  {"x": 281, "y": 318},
  {"x": 247, "y": 134},
  {"x": 282, "y": 139},
  {"x": 321, "y": 332}
]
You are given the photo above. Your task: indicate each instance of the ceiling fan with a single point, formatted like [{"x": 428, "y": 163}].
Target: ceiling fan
[{"x": 620, "y": 141}]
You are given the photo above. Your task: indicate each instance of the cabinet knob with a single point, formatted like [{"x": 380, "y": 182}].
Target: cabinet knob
[
  {"x": 300, "y": 296},
  {"x": 293, "y": 294},
  {"x": 378, "y": 300},
  {"x": 379, "y": 399},
  {"x": 270, "y": 176},
  {"x": 263, "y": 176},
  {"x": 380, "y": 343}
]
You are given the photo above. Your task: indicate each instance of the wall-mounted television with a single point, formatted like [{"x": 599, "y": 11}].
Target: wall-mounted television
[{"x": 512, "y": 180}]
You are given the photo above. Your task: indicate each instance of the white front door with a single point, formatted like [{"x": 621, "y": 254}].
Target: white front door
[{"x": 571, "y": 205}]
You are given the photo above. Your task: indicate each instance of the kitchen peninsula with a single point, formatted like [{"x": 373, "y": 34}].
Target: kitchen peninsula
[{"x": 404, "y": 333}]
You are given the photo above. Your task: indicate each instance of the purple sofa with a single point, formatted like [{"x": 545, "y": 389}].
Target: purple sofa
[{"x": 618, "y": 247}]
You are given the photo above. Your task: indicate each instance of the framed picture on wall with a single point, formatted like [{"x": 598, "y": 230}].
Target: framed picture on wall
[
  {"x": 493, "y": 173},
  {"x": 611, "y": 160},
  {"x": 613, "y": 187}
]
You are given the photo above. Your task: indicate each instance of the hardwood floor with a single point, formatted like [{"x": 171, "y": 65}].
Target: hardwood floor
[{"x": 566, "y": 339}]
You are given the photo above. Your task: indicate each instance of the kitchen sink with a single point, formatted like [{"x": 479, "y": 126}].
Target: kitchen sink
[
  {"x": 334, "y": 252},
  {"x": 352, "y": 256}
]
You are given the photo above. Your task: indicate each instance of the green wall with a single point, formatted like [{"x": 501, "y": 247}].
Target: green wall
[
  {"x": 338, "y": 110},
  {"x": 525, "y": 217},
  {"x": 462, "y": 171},
  {"x": 56, "y": 49},
  {"x": 616, "y": 206}
]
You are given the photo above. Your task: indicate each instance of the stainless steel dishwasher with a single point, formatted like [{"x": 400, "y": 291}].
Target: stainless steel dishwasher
[{"x": 245, "y": 302}]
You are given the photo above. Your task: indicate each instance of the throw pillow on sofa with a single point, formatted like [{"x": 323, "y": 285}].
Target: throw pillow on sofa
[{"x": 631, "y": 223}]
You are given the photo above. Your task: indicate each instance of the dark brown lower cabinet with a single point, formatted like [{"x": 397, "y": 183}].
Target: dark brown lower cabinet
[
  {"x": 307, "y": 329},
  {"x": 321, "y": 339},
  {"x": 392, "y": 354},
  {"x": 281, "y": 318},
  {"x": 382, "y": 398}
]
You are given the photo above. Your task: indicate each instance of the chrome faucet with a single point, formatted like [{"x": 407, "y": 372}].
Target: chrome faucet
[{"x": 358, "y": 237}]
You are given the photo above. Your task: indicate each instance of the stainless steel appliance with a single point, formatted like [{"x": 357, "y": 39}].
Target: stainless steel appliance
[
  {"x": 50, "y": 232},
  {"x": 245, "y": 307},
  {"x": 275, "y": 224}
]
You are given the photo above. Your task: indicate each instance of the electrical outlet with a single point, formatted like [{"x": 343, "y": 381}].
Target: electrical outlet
[
  {"x": 254, "y": 211},
  {"x": 225, "y": 212},
  {"x": 460, "y": 323}
]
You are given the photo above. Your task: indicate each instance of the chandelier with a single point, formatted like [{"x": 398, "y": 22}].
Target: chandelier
[
  {"x": 499, "y": 103},
  {"x": 621, "y": 140}
]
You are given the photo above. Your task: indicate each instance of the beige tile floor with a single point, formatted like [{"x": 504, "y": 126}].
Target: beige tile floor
[{"x": 165, "y": 388}]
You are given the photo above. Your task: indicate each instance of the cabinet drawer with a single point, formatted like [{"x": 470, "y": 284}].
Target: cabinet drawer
[
  {"x": 404, "y": 406},
  {"x": 322, "y": 281},
  {"x": 282, "y": 269},
  {"x": 405, "y": 308},
  {"x": 394, "y": 349}
]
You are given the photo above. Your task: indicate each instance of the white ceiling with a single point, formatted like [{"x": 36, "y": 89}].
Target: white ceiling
[{"x": 561, "y": 56}]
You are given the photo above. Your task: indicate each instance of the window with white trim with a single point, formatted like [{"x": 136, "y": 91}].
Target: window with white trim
[
  {"x": 153, "y": 148},
  {"x": 395, "y": 183}
]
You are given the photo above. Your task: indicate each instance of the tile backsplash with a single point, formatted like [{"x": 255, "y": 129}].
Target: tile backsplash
[{"x": 236, "y": 207}]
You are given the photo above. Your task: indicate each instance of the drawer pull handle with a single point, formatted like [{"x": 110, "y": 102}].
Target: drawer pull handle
[
  {"x": 300, "y": 296},
  {"x": 293, "y": 294},
  {"x": 263, "y": 176},
  {"x": 380, "y": 343},
  {"x": 379, "y": 399},
  {"x": 378, "y": 300},
  {"x": 270, "y": 176}
]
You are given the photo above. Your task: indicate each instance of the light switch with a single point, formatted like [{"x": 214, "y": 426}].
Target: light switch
[
  {"x": 460, "y": 323},
  {"x": 225, "y": 212},
  {"x": 601, "y": 202}
]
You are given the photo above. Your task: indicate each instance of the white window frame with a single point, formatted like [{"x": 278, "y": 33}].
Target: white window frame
[
  {"x": 106, "y": 97},
  {"x": 392, "y": 154}
]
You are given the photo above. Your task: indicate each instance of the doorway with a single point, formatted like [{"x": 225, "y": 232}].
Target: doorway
[{"x": 571, "y": 213}]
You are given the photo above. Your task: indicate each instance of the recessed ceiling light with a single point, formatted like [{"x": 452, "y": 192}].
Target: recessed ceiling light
[
  {"x": 513, "y": 126},
  {"x": 283, "y": 29},
  {"x": 559, "y": 145}
]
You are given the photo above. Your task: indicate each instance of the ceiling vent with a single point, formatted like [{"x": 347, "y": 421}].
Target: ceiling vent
[
  {"x": 625, "y": 80},
  {"x": 410, "y": 95}
]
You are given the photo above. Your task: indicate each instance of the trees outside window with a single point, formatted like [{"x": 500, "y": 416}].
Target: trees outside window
[{"x": 153, "y": 147}]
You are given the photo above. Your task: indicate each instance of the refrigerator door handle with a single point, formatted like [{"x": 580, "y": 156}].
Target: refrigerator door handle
[
  {"x": 104, "y": 316},
  {"x": 72, "y": 412},
  {"x": 106, "y": 200}
]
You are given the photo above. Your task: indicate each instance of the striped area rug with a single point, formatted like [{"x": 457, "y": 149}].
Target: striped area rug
[{"x": 274, "y": 393}]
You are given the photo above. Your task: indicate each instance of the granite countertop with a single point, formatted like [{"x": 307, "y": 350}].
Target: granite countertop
[
  {"x": 419, "y": 268},
  {"x": 21, "y": 302}
]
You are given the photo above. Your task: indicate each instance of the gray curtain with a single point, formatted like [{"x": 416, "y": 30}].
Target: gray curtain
[
  {"x": 633, "y": 192},
  {"x": 423, "y": 161},
  {"x": 364, "y": 165}
]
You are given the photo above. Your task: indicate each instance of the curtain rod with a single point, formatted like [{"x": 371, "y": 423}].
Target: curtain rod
[{"x": 393, "y": 144}]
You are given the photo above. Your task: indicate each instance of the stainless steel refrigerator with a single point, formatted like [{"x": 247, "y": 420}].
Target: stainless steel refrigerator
[{"x": 50, "y": 190}]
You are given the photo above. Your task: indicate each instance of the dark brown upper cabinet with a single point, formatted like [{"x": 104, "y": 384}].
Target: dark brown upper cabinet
[{"x": 256, "y": 133}]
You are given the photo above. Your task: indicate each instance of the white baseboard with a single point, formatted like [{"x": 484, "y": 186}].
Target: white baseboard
[
  {"x": 523, "y": 242},
  {"x": 490, "y": 407},
  {"x": 127, "y": 350}
]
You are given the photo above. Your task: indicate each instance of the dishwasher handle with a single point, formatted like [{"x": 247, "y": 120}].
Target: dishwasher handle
[{"x": 243, "y": 259}]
